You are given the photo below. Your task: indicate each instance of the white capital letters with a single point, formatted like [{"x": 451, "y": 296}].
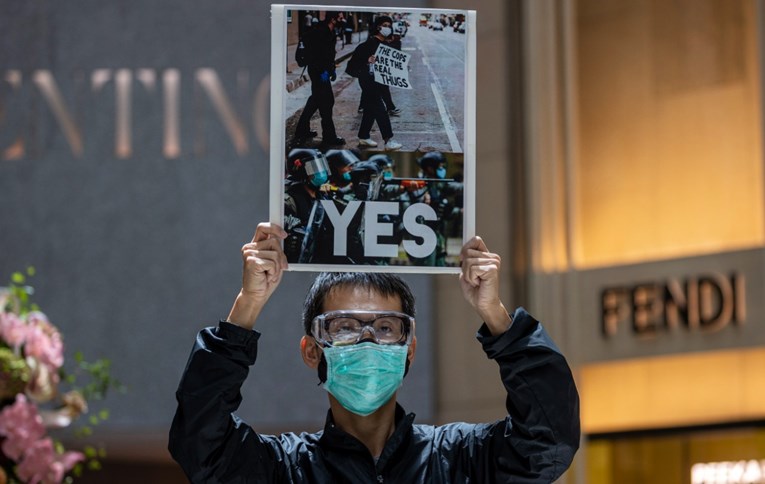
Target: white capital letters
[
  {"x": 340, "y": 223},
  {"x": 416, "y": 229},
  {"x": 373, "y": 229}
]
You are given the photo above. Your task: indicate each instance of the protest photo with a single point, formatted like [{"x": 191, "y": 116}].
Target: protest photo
[{"x": 371, "y": 159}]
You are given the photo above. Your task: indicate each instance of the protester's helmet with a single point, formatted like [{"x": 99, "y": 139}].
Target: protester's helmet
[
  {"x": 308, "y": 165},
  {"x": 340, "y": 163}
]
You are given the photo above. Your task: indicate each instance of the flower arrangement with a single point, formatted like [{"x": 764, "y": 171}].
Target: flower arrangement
[{"x": 32, "y": 396}]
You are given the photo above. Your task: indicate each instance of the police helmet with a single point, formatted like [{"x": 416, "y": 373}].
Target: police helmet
[
  {"x": 431, "y": 159},
  {"x": 383, "y": 161},
  {"x": 363, "y": 175},
  {"x": 339, "y": 163},
  {"x": 307, "y": 164},
  {"x": 339, "y": 159}
]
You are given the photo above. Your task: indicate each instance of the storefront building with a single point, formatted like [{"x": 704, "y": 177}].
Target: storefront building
[
  {"x": 653, "y": 246},
  {"x": 637, "y": 230}
]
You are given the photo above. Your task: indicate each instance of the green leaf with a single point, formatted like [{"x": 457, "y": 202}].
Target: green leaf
[
  {"x": 94, "y": 465},
  {"x": 90, "y": 451},
  {"x": 31, "y": 271},
  {"x": 18, "y": 278},
  {"x": 103, "y": 414}
]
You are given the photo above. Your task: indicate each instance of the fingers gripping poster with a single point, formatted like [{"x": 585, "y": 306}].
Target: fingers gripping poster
[{"x": 373, "y": 136}]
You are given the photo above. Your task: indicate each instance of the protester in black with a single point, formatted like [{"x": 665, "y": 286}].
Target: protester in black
[
  {"x": 393, "y": 40},
  {"x": 372, "y": 103},
  {"x": 360, "y": 338},
  {"x": 319, "y": 43}
]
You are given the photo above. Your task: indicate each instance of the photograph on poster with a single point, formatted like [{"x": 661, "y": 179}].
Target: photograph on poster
[{"x": 372, "y": 136}]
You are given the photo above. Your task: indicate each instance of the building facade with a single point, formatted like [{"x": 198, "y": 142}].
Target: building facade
[{"x": 633, "y": 182}]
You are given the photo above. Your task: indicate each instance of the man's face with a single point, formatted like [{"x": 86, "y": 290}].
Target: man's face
[{"x": 352, "y": 298}]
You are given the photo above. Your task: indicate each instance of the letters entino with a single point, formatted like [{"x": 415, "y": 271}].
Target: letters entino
[
  {"x": 71, "y": 101},
  {"x": 707, "y": 303},
  {"x": 374, "y": 229}
]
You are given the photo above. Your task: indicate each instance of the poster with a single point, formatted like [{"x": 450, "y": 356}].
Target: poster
[{"x": 373, "y": 136}]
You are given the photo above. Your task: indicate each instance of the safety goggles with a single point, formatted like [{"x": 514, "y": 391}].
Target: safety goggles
[{"x": 339, "y": 328}]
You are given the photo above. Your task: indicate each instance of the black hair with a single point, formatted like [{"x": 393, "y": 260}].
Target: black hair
[
  {"x": 382, "y": 19},
  {"x": 384, "y": 284}
]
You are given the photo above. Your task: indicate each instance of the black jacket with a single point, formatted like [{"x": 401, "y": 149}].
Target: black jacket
[
  {"x": 534, "y": 444},
  {"x": 358, "y": 65},
  {"x": 320, "y": 48}
]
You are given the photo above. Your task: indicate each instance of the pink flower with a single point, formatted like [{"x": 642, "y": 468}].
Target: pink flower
[
  {"x": 43, "y": 341},
  {"x": 21, "y": 426},
  {"x": 41, "y": 463},
  {"x": 13, "y": 329}
]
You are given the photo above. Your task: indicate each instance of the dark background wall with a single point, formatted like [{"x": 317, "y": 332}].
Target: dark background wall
[{"x": 137, "y": 249}]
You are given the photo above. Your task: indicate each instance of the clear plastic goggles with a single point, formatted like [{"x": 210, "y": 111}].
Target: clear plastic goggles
[{"x": 339, "y": 328}]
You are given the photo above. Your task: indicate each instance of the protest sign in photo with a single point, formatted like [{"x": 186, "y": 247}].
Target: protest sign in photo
[
  {"x": 373, "y": 136},
  {"x": 392, "y": 67}
]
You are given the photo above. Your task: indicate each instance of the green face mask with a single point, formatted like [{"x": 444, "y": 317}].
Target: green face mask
[{"x": 362, "y": 377}]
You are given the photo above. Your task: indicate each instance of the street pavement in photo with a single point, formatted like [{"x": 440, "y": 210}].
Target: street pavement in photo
[{"x": 432, "y": 112}]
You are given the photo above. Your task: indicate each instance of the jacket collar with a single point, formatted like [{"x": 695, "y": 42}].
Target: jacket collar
[{"x": 335, "y": 439}]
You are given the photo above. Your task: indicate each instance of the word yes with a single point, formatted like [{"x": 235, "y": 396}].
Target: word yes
[{"x": 373, "y": 228}]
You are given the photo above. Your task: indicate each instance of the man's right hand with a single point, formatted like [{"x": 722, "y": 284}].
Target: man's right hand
[{"x": 264, "y": 263}]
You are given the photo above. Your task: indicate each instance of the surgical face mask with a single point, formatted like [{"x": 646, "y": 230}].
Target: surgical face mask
[
  {"x": 347, "y": 176},
  {"x": 387, "y": 175},
  {"x": 362, "y": 377},
  {"x": 385, "y": 31},
  {"x": 319, "y": 178},
  {"x": 441, "y": 172}
]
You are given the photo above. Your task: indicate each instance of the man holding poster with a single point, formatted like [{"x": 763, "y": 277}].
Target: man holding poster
[
  {"x": 363, "y": 66},
  {"x": 360, "y": 338}
]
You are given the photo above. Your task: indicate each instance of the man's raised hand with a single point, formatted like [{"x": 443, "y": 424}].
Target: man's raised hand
[
  {"x": 264, "y": 263},
  {"x": 479, "y": 281}
]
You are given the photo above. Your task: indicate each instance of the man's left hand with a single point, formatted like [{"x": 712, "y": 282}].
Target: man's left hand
[{"x": 479, "y": 281}]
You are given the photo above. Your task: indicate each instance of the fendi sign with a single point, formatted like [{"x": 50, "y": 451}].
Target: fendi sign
[{"x": 707, "y": 302}]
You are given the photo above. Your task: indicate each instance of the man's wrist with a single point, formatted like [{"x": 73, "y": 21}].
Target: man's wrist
[
  {"x": 497, "y": 319},
  {"x": 245, "y": 310}
]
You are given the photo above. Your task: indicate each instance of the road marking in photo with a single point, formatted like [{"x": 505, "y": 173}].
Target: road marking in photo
[
  {"x": 445, "y": 118},
  {"x": 450, "y": 52},
  {"x": 450, "y": 131}
]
